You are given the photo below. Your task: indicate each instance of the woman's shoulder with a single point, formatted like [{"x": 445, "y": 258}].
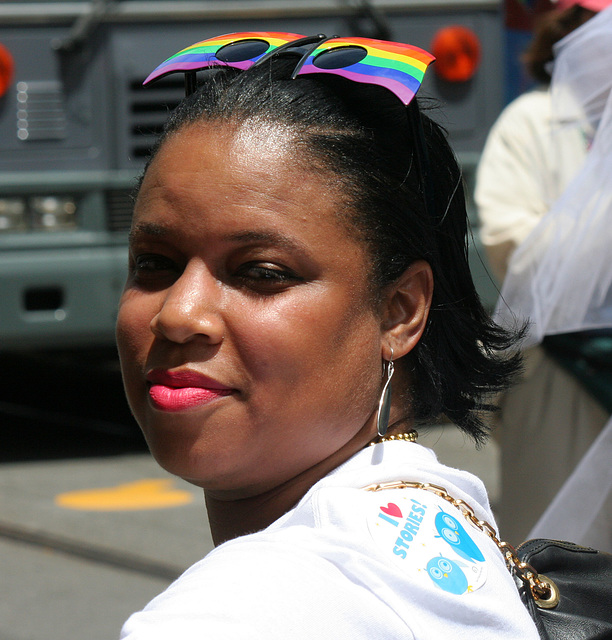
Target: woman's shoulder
[
  {"x": 395, "y": 562},
  {"x": 264, "y": 585},
  {"x": 528, "y": 114},
  {"x": 532, "y": 103},
  {"x": 358, "y": 524}
]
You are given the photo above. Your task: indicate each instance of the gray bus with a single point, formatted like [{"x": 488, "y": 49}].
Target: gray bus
[{"x": 76, "y": 126}]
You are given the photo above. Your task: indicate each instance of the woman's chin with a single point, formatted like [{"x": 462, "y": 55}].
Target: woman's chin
[{"x": 205, "y": 469}]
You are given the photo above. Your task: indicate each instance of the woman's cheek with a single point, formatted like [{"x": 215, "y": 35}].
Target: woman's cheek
[{"x": 133, "y": 336}]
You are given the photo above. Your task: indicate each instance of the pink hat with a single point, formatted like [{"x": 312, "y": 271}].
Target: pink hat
[{"x": 593, "y": 5}]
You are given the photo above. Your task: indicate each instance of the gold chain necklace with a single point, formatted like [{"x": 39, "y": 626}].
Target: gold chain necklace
[{"x": 408, "y": 436}]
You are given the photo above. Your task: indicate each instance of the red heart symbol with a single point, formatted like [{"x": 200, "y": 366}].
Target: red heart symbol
[{"x": 392, "y": 510}]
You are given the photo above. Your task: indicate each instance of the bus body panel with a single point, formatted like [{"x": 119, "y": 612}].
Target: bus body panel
[{"x": 76, "y": 127}]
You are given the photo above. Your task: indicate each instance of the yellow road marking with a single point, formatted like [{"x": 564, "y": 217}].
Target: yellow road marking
[{"x": 133, "y": 496}]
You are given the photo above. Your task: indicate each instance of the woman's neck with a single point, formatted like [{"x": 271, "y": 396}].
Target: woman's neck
[{"x": 231, "y": 518}]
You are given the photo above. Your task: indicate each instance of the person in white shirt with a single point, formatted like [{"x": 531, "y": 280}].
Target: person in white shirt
[
  {"x": 298, "y": 298},
  {"x": 533, "y": 152}
]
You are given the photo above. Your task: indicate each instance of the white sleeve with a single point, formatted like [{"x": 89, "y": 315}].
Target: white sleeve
[
  {"x": 511, "y": 184},
  {"x": 260, "y": 591}
]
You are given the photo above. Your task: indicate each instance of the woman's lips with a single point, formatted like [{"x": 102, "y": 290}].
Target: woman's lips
[
  {"x": 173, "y": 399},
  {"x": 180, "y": 390}
]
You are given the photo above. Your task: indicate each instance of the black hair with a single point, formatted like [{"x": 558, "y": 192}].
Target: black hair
[{"x": 361, "y": 135}]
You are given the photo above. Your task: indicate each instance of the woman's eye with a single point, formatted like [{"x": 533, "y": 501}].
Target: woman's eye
[
  {"x": 152, "y": 262},
  {"x": 266, "y": 276},
  {"x": 149, "y": 265}
]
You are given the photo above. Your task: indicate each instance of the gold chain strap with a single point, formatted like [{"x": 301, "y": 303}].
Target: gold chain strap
[{"x": 545, "y": 592}]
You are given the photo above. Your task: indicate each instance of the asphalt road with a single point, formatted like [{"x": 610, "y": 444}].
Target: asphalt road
[{"x": 90, "y": 528}]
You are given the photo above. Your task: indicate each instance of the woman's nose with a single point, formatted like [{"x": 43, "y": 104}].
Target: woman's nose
[{"x": 190, "y": 309}]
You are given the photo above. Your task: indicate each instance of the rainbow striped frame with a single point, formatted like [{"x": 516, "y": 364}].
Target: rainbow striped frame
[{"x": 397, "y": 67}]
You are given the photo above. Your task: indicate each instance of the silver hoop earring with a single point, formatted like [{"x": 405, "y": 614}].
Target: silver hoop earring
[{"x": 384, "y": 405}]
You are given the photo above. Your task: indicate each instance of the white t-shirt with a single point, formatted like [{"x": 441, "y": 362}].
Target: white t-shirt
[{"x": 352, "y": 564}]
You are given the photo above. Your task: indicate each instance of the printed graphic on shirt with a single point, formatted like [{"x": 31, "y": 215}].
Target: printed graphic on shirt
[{"x": 423, "y": 534}]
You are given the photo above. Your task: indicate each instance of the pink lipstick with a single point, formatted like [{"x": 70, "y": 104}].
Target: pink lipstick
[{"x": 174, "y": 391}]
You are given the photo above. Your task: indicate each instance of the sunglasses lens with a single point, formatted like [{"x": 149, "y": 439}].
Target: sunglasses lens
[
  {"x": 241, "y": 51},
  {"x": 340, "y": 57}
]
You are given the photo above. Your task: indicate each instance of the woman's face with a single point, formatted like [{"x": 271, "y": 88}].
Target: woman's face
[{"x": 249, "y": 343}]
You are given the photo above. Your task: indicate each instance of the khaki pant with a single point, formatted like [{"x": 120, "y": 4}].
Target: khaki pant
[{"x": 546, "y": 424}]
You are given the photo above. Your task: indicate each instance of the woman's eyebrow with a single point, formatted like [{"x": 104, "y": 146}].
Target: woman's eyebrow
[
  {"x": 269, "y": 238},
  {"x": 266, "y": 237},
  {"x": 149, "y": 229}
]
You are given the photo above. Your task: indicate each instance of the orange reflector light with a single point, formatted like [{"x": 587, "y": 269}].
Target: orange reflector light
[
  {"x": 457, "y": 51},
  {"x": 7, "y": 66}
]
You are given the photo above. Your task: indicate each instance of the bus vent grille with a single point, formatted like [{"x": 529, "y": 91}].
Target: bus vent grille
[
  {"x": 150, "y": 107},
  {"x": 119, "y": 206},
  {"x": 40, "y": 111}
]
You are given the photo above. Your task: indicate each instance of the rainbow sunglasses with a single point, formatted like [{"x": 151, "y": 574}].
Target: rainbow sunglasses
[{"x": 400, "y": 68}]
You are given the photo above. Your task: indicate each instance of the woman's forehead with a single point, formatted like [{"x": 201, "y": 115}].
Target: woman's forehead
[
  {"x": 247, "y": 163},
  {"x": 221, "y": 148},
  {"x": 269, "y": 138},
  {"x": 256, "y": 140},
  {"x": 209, "y": 169}
]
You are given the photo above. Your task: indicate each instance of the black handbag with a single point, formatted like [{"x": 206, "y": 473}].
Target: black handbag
[
  {"x": 566, "y": 588},
  {"x": 569, "y": 592}
]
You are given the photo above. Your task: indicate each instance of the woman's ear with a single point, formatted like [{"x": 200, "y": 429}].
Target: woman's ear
[{"x": 406, "y": 309}]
